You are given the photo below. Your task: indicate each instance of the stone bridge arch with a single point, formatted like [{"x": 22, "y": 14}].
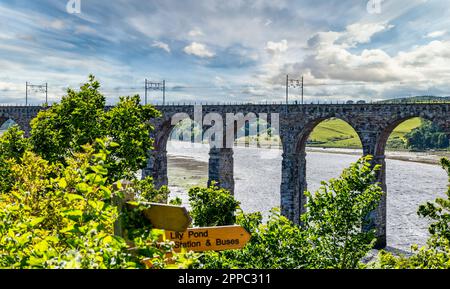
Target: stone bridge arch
[
  {"x": 377, "y": 148},
  {"x": 294, "y": 139},
  {"x": 220, "y": 169},
  {"x": 442, "y": 121}
]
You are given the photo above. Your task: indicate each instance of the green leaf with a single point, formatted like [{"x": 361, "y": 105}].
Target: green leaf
[
  {"x": 82, "y": 187},
  {"x": 71, "y": 197},
  {"x": 62, "y": 183},
  {"x": 100, "y": 170},
  {"x": 36, "y": 221},
  {"x": 74, "y": 215}
]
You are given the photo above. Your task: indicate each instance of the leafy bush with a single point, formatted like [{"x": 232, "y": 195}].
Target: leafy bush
[
  {"x": 331, "y": 236},
  {"x": 212, "y": 206},
  {"x": 12, "y": 147},
  {"x": 145, "y": 191},
  {"x": 60, "y": 217},
  {"x": 337, "y": 212},
  {"x": 64, "y": 216},
  {"x": 275, "y": 245}
]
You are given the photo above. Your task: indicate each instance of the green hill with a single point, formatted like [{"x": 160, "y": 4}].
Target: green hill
[
  {"x": 339, "y": 134},
  {"x": 418, "y": 99}
]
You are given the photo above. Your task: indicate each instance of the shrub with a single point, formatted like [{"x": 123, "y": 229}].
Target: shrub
[
  {"x": 331, "y": 236},
  {"x": 212, "y": 206}
]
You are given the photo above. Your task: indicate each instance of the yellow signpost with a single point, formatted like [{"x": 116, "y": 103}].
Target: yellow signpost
[
  {"x": 209, "y": 238},
  {"x": 168, "y": 217}
]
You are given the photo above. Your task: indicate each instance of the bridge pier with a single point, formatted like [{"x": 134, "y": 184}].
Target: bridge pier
[
  {"x": 221, "y": 168},
  {"x": 157, "y": 168},
  {"x": 293, "y": 185},
  {"x": 378, "y": 217}
]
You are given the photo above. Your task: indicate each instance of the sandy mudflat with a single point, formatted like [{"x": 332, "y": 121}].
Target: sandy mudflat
[{"x": 420, "y": 157}]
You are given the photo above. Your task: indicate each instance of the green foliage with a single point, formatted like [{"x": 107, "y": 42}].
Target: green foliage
[
  {"x": 60, "y": 217},
  {"x": 212, "y": 206},
  {"x": 275, "y": 245},
  {"x": 145, "y": 191},
  {"x": 337, "y": 212},
  {"x": 427, "y": 136},
  {"x": 331, "y": 236},
  {"x": 12, "y": 147},
  {"x": 64, "y": 216},
  {"x": 13, "y": 144},
  {"x": 62, "y": 200},
  {"x": 436, "y": 253},
  {"x": 81, "y": 117},
  {"x": 176, "y": 202},
  {"x": 439, "y": 211}
]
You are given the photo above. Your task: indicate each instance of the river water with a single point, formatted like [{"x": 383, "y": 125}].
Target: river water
[{"x": 257, "y": 174}]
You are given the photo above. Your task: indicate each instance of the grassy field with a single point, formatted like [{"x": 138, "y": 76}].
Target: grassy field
[{"x": 339, "y": 134}]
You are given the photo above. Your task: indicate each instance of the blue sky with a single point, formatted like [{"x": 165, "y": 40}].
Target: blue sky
[{"x": 227, "y": 51}]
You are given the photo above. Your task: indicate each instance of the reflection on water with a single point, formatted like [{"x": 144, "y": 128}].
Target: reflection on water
[{"x": 258, "y": 177}]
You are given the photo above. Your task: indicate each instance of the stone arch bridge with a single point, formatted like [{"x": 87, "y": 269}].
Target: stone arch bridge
[{"x": 372, "y": 122}]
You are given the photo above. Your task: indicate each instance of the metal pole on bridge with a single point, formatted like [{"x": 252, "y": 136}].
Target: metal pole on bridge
[
  {"x": 26, "y": 93},
  {"x": 302, "y": 89},
  {"x": 146, "y": 91},
  {"x": 287, "y": 89}
]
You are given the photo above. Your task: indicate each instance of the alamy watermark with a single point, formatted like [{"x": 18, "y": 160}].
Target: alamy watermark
[
  {"x": 251, "y": 129},
  {"x": 73, "y": 7}
]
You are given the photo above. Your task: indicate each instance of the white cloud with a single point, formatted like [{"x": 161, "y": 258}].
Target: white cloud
[
  {"x": 83, "y": 29},
  {"x": 358, "y": 33},
  {"x": 195, "y": 32},
  {"x": 331, "y": 59},
  {"x": 161, "y": 45},
  {"x": 56, "y": 24},
  {"x": 199, "y": 50},
  {"x": 277, "y": 47},
  {"x": 436, "y": 34}
]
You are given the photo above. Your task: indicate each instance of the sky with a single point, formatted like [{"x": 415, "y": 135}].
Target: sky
[{"x": 226, "y": 51}]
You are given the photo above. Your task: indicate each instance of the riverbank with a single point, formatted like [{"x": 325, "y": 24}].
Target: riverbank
[{"x": 431, "y": 158}]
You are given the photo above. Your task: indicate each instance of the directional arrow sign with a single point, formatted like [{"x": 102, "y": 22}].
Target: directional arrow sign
[
  {"x": 209, "y": 239},
  {"x": 167, "y": 217}
]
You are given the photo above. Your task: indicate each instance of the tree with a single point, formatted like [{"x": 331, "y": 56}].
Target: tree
[
  {"x": 82, "y": 117},
  {"x": 427, "y": 136}
]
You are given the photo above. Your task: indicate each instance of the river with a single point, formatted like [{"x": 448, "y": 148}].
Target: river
[{"x": 258, "y": 177}]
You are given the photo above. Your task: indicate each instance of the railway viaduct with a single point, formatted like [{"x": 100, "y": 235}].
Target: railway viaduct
[{"x": 372, "y": 122}]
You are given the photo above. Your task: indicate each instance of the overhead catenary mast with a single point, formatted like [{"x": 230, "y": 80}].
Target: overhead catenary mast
[{"x": 161, "y": 86}]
